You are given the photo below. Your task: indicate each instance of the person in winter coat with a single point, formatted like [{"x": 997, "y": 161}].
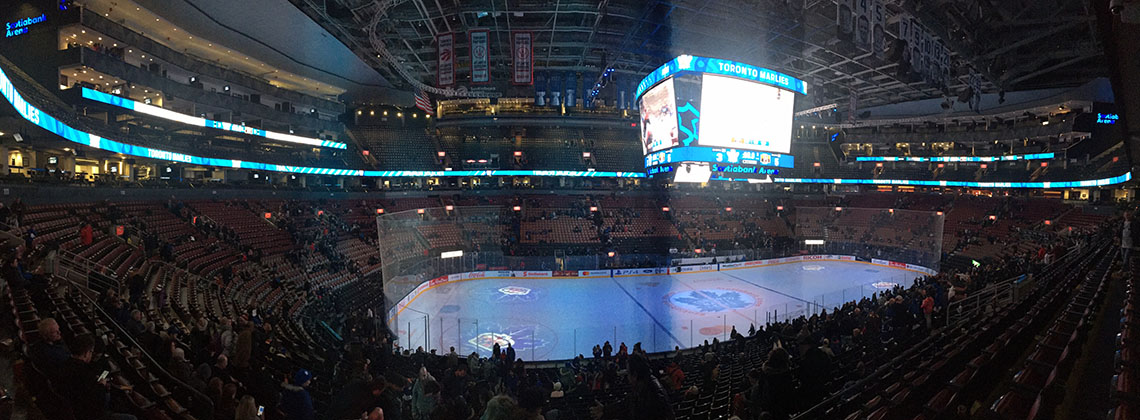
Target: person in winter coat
[
  {"x": 779, "y": 384},
  {"x": 425, "y": 396},
  {"x": 646, "y": 399},
  {"x": 243, "y": 347},
  {"x": 296, "y": 403}
]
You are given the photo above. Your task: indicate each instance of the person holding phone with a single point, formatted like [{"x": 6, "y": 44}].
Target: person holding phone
[
  {"x": 86, "y": 386},
  {"x": 247, "y": 409}
]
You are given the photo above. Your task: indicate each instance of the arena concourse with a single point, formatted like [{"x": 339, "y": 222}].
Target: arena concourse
[{"x": 572, "y": 209}]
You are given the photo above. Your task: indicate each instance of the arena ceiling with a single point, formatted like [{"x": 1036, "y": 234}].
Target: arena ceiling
[{"x": 1014, "y": 44}]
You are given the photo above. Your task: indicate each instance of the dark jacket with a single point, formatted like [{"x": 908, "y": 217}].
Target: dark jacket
[
  {"x": 780, "y": 392},
  {"x": 296, "y": 403},
  {"x": 88, "y": 397},
  {"x": 647, "y": 400}
]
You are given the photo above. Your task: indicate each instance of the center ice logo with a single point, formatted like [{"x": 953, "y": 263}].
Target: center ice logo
[
  {"x": 509, "y": 294},
  {"x": 514, "y": 291},
  {"x": 711, "y": 300}
]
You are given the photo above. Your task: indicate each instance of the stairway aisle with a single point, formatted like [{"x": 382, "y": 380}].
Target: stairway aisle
[{"x": 1088, "y": 388}]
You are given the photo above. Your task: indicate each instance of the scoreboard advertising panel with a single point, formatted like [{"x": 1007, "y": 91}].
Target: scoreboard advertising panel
[{"x": 730, "y": 117}]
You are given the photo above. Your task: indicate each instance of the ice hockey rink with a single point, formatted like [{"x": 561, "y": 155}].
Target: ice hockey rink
[{"x": 557, "y": 318}]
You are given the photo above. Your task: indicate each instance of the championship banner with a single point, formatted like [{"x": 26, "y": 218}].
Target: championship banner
[
  {"x": 852, "y": 106},
  {"x": 845, "y": 19},
  {"x": 522, "y": 49},
  {"x": 879, "y": 29},
  {"x": 445, "y": 70},
  {"x": 863, "y": 25},
  {"x": 914, "y": 42},
  {"x": 480, "y": 67}
]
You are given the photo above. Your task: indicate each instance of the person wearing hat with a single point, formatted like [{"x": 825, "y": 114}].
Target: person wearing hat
[{"x": 296, "y": 402}]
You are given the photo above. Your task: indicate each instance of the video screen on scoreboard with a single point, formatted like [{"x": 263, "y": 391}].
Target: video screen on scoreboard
[
  {"x": 742, "y": 114},
  {"x": 658, "y": 118}
]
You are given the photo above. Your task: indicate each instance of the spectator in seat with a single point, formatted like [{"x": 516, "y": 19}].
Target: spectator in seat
[
  {"x": 200, "y": 377},
  {"x": 135, "y": 324},
  {"x": 243, "y": 347},
  {"x": 557, "y": 392},
  {"x": 675, "y": 375},
  {"x": 221, "y": 368},
  {"x": 646, "y": 400},
  {"x": 49, "y": 352},
  {"x": 356, "y": 397},
  {"x": 779, "y": 383},
  {"x": 226, "y": 408},
  {"x": 296, "y": 403},
  {"x": 179, "y": 367},
  {"x": 86, "y": 234},
  {"x": 456, "y": 384},
  {"x": 500, "y": 407},
  {"x": 425, "y": 396},
  {"x": 89, "y": 395},
  {"x": 246, "y": 409}
]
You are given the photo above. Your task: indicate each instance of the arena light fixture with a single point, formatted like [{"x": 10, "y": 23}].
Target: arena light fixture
[
  {"x": 1048, "y": 222},
  {"x": 665, "y": 209},
  {"x": 939, "y": 213},
  {"x": 816, "y": 164},
  {"x": 779, "y": 208},
  {"x": 593, "y": 208},
  {"x": 419, "y": 211},
  {"x": 729, "y": 209},
  {"x": 839, "y": 209},
  {"x": 379, "y": 211},
  {"x": 518, "y": 153},
  {"x": 450, "y": 207},
  {"x": 993, "y": 217},
  {"x": 441, "y": 154},
  {"x": 517, "y": 208},
  {"x": 814, "y": 242},
  {"x": 611, "y": 254},
  {"x": 698, "y": 250},
  {"x": 268, "y": 215}
]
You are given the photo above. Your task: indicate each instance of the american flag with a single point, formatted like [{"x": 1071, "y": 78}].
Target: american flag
[{"x": 422, "y": 102}]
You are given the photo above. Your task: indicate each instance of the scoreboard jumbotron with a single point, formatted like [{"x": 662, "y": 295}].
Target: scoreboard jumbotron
[{"x": 710, "y": 119}]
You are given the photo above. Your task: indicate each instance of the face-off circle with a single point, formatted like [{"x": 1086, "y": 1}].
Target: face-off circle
[{"x": 706, "y": 301}]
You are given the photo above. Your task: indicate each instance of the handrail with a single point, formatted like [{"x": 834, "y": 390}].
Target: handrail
[
  {"x": 142, "y": 350},
  {"x": 970, "y": 304}
]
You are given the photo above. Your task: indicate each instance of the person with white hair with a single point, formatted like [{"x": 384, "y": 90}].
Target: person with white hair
[{"x": 179, "y": 367}]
